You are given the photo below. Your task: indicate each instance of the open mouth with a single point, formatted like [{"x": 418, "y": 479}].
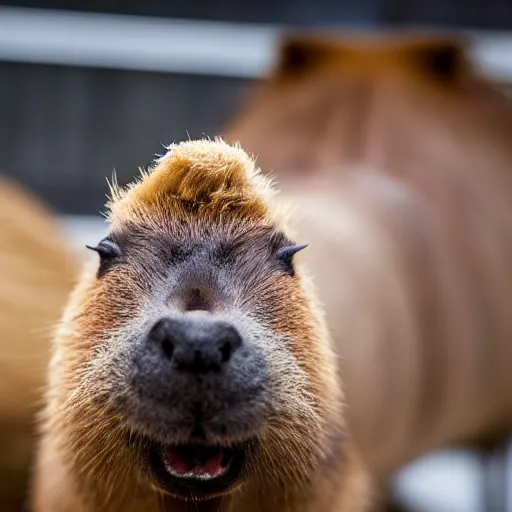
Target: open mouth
[
  {"x": 203, "y": 462},
  {"x": 198, "y": 469}
]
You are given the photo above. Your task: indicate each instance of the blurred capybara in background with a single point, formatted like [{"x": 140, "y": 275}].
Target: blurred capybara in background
[
  {"x": 193, "y": 369},
  {"x": 36, "y": 275},
  {"x": 398, "y": 155}
]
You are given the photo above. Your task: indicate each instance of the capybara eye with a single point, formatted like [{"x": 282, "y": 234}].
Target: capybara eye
[
  {"x": 108, "y": 251},
  {"x": 285, "y": 255}
]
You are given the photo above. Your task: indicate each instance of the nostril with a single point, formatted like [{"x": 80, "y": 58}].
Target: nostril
[
  {"x": 168, "y": 348},
  {"x": 228, "y": 341},
  {"x": 225, "y": 351},
  {"x": 161, "y": 336}
]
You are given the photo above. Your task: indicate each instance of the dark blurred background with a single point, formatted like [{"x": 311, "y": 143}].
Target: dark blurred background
[
  {"x": 87, "y": 86},
  {"x": 493, "y": 14}
]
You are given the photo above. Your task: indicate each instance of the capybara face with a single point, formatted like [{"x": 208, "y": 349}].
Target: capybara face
[
  {"x": 192, "y": 359},
  {"x": 189, "y": 364}
]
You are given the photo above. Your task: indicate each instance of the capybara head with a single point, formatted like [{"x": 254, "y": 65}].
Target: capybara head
[
  {"x": 432, "y": 59},
  {"x": 193, "y": 360}
]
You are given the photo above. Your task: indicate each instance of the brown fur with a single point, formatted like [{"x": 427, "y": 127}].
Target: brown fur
[
  {"x": 85, "y": 464},
  {"x": 36, "y": 276},
  {"x": 398, "y": 156}
]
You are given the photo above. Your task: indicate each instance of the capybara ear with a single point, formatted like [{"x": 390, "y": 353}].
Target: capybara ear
[
  {"x": 301, "y": 53},
  {"x": 443, "y": 60}
]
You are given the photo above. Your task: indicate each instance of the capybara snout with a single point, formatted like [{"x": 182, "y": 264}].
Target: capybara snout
[
  {"x": 202, "y": 379},
  {"x": 193, "y": 345}
]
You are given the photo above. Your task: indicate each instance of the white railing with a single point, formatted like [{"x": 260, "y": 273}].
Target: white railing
[{"x": 170, "y": 45}]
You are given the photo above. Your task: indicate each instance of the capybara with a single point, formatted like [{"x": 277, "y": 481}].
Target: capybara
[
  {"x": 192, "y": 369},
  {"x": 398, "y": 155},
  {"x": 37, "y": 272}
]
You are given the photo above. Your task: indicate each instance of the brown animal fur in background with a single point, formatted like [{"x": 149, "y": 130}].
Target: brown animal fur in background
[
  {"x": 196, "y": 339},
  {"x": 398, "y": 155},
  {"x": 36, "y": 277}
]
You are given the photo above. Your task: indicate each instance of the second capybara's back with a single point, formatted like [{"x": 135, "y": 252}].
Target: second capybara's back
[
  {"x": 397, "y": 153},
  {"x": 37, "y": 272}
]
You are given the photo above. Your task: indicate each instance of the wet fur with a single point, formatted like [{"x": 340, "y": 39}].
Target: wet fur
[
  {"x": 398, "y": 156},
  {"x": 92, "y": 440}
]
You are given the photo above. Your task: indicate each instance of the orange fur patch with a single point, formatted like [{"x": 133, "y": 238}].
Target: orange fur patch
[{"x": 211, "y": 175}]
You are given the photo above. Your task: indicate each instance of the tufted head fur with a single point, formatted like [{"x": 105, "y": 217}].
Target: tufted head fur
[
  {"x": 224, "y": 180},
  {"x": 197, "y": 238}
]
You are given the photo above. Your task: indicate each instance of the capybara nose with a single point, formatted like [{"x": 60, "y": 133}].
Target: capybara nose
[{"x": 195, "y": 344}]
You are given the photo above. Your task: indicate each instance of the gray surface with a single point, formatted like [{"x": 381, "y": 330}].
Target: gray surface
[
  {"x": 63, "y": 129},
  {"x": 448, "y": 481}
]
